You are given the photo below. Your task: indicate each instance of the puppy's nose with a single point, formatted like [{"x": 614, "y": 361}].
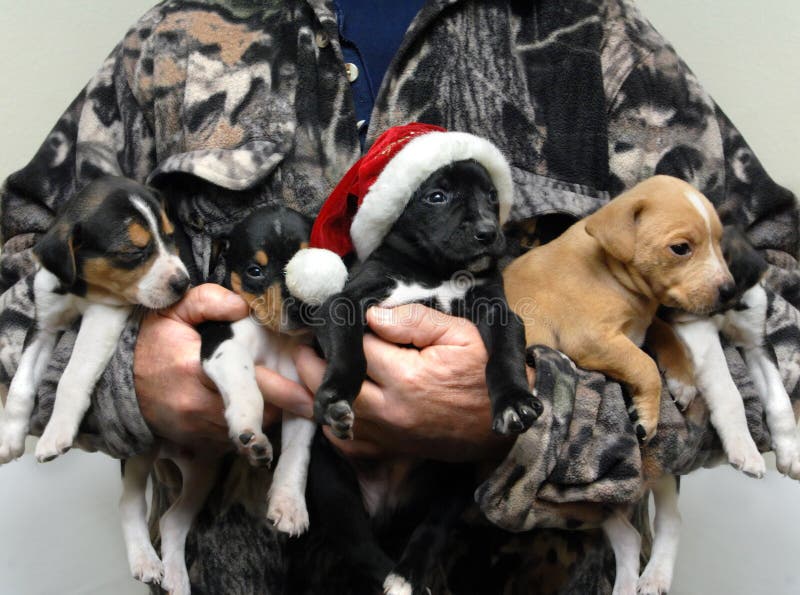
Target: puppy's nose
[
  {"x": 179, "y": 283},
  {"x": 486, "y": 234},
  {"x": 726, "y": 291}
]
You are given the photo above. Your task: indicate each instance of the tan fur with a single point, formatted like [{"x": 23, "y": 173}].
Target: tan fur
[
  {"x": 166, "y": 224},
  {"x": 266, "y": 308},
  {"x": 139, "y": 236},
  {"x": 102, "y": 277},
  {"x": 593, "y": 292},
  {"x": 261, "y": 258}
]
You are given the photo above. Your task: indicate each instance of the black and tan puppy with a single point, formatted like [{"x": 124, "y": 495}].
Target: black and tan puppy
[
  {"x": 442, "y": 250},
  {"x": 110, "y": 248}
]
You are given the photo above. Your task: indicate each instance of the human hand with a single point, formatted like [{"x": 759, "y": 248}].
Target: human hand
[
  {"x": 430, "y": 402},
  {"x": 177, "y": 399}
]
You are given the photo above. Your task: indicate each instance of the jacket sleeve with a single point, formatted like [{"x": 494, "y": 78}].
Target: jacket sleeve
[
  {"x": 582, "y": 452},
  {"x": 104, "y": 131}
]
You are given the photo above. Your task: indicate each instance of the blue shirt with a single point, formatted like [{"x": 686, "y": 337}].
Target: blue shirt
[{"x": 371, "y": 32}]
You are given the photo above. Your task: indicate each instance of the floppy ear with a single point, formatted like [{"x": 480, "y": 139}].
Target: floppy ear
[
  {"x": 56, "y": 252},
  {"x": 614, "y": 226}
]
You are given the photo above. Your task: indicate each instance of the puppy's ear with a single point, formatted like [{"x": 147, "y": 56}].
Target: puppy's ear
[
  {"x": 56, "y": 252},
  {"x": 614, "y": 225}
]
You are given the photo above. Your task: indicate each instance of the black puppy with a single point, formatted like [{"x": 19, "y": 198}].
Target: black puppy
[{"x": 442, "y": 251}]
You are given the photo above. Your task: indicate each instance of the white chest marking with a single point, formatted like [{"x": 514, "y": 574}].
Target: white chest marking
[{"x": 444, "y": 294}]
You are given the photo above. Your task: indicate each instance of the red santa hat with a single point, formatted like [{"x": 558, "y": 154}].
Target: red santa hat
[{"x": 372, "y": 195}]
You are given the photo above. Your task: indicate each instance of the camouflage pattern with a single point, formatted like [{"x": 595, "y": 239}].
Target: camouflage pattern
[{"x": 228, "y": 105}]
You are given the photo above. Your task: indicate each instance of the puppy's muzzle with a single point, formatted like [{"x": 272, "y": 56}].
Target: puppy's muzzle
[{"x": 179, "y": 283}]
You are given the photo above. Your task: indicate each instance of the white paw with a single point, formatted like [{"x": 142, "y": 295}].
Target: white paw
[
  {"x": 682, "y": 393},
  {"x": 12, "y": 443},
  {"x": 253, "y": 444},
  {"x": 787, "y": 457},
  {"x": 176, "y": 577},
  {"x": 396, "y": 585},
  {"x": 624, "y": 587},
  {"x": 145, "y": 566},
  {"x": 654, "y": 582},
  {"x": 55, "y": 441},
  {"x": 744, "y": 456},
  {"x": 287, "y": 511}
]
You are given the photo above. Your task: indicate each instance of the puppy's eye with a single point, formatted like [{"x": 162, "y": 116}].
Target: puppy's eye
[
  {"x": 493, "y": 197},
  {"x": 131, "y": 256},
  {"x": 436, "y": 198},
  {"x": 682, "y": 249},
  {"x": 254, "y": 271}
]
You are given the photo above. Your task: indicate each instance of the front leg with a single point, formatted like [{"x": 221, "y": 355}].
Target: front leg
[
  {"x": 514, "y": 406},
  {"x": 97, "y": 339},
  {"x": 341, "y": 336},
  {"x": 672, "y": 359}
]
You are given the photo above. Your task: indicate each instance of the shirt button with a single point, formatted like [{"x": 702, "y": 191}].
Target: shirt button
[
  {"x": 322, "y": 39},
  {"x": 351, "y": 70}
]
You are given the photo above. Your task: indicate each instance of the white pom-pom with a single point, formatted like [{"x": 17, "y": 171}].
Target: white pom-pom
[{"x": 315, "y": 274}]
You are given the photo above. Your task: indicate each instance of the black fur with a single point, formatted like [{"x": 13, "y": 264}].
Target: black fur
[
  {"x": 450, "y": 226},
  {"x": 746, "y": 264}
]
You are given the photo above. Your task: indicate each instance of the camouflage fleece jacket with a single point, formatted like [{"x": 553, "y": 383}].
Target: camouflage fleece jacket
[{"x": 232, "y": 104}]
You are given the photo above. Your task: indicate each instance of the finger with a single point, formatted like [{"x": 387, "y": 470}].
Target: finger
[
  {"x": 420, "y": 326},
  {"x": 388, "y": 363},
  {"x": 208, "y": 302},
  {"x": 354, "y": 449},
  {"x": 284, "y": 393}
]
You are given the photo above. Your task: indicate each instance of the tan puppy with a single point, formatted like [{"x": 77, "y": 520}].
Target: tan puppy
[{"x": 593, "y": 292}]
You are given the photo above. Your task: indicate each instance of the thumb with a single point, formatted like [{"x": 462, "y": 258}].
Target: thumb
[
  {"x": 208, "y": 302},
  {"x": 418, "y": 325}
]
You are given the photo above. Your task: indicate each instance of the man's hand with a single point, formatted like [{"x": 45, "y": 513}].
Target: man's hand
[
  {"x": 176, "y": 398},
  {"x": 430, "y": 401}
]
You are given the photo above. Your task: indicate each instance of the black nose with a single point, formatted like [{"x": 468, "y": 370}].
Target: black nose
[
  {"x": 727, "y": 291},
  {"x": 179, "y": 284},
  {"x": 486, "y": 234}
]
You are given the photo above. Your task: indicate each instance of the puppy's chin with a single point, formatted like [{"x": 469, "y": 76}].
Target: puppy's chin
[{"x": 157, "y": 301}]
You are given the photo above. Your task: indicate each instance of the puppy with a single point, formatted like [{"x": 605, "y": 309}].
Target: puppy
[
  {"x": 442, "y": 250},
  {"x": 742, "y": 320},
  {"x": 110, "y": 248},
  {"x": 260, "y": 247},
  {"x": 593, "y": 292}
]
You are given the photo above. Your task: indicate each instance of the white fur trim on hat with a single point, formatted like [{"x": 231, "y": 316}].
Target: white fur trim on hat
[
  {"x": 315, "y": 274},
  {"x": 389, "y": 194}
]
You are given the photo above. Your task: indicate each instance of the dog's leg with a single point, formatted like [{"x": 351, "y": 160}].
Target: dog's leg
[
  {"x": 620, "y": 359},
  {"x": 337, "y": 509},
  {"x": 143, "y": 560},
  {"x": 198, "y": 479},
  {"x": 231, "y": 368},
  {"x": 97, "y": 339},
  {"x": 287, "y": 494},
  {"x": 452, "y": 493},
  {"x": 22, "y": 395},
  {"x": 657, "y": 576},
  {"x": 672, "y": 358},
  {"x": 341, "y": 336},
  {"x": 721, "y": 395},
  {"x": 627, "y": 544},
  {"x": 514, "y": 406}
]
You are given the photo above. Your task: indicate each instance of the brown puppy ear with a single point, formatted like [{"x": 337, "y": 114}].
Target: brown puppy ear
[
  {"x": 56, "y": 252},
  {"x": 614, "y": 226}
]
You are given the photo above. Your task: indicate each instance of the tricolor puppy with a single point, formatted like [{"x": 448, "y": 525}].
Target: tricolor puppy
[
  {"x": 110, "y": 248},
  {"x": 428, "y": 231},
  {"x": 742, "y": 320},
  {"x": 259, "y": 248},
  {"x": 593, "y": 292}
]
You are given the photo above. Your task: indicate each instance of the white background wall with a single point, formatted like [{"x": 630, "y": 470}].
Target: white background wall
[{"x": 58, "y": 525}]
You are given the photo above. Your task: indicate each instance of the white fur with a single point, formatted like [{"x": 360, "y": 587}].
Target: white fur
[
  {"x": 657, "y": 576},
  {"x": 444, "y": 294},
  {"x": 314, "y": 274},
  {"x": 397, "y": 585},
  {"x": 715, "y": 262},
  {"x": 626, "y": 543},
  {"x": 144, "y": 563},
  {"x": 391, "y": 191}
]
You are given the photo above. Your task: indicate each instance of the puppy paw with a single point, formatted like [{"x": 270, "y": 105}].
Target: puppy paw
[
  {"x": 787, "y": 457},
  {"x": 339, "y": 416},
  {"x": 682, "y": 393},
  {"x": 654, "y": 582},
  {"x": 515, "y": 415},
  {"x": 645, "y": 426},
  {"x": 744, "y": 456},
  {"x": 55, "y": 441},
  {"x": 287, "y": 511},
  {"x": 397, "y": 585},
  {"x": 12, "y": 444},
  {"x": 254, "y": 445},
  {"x": 176, "y": 577},
  {"x": 146, "y": 567}
]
